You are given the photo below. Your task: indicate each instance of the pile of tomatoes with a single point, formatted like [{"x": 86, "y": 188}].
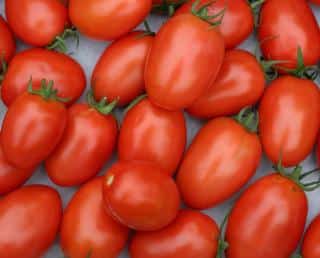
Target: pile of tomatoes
[{"x": 249, "y": 105}]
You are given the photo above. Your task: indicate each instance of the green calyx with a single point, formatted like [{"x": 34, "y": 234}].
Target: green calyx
[
  {"x": 148, "y": 31},
  {"x": 46, "y": 91},
  {"x": 249, "y": 119},
  {"x": 103, "y": 107},
  {"x": 59, "y": 43},
  {"x": 255, "y": 4},
  {"x": 167, "y": 7}
]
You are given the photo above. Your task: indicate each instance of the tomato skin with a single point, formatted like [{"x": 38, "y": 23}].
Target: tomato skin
[
  {"x": 268, "y": 220},
  {"x": 29, "y": 219},
  {"x": 191, "y": 234},
  {"x": 92, "y": 133},
  {"x": 281, "y": 39},
  {"x": 237, "y": 12},
  {"x": 289, "y": 119},
  {"x": 122, "y": 64},
  {"x": 98, "y": 232},
  {"x": 31, "y": 129},
  {"x": 315, "y": 1},
  {"x": 240, "y": 83},
  {"x": 7, "y": 42},
  {"x": 310, "y": 245},
  {"x": 121, "y": 15},
  {"x": 151, "y": 205},
  {"x": 150, "y": 133},
  {"x": 183, "y": 62},
  {"x": 221, "y": 159},
  {"x": 67, "y": 74},
  {"x": 36, "y": 22}
]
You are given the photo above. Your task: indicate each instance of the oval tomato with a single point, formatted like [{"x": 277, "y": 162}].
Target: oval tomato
[
  {"x": 97, "y": 234},
  {"x": 90, "y": 130},
  {"x": 32, "y": 127},
  {"x": 36, "y": 22},
  {"x": 285, "y": 26},
  {"x": 150, "y": 133},
  {"x": 221, "y": 159},
  {"x": 240, "y": 83},
  {"x": 122, "y": 64},
  {"x": 7, "y": 42},
  {"x": 36, "y": 63},
  {"x": 192, "y": 234},
  {"x": 268, "y": 220},
  {"x": 289, "y": 119},
  {"x": 311, "y": 242},
  {"x": 29, "y": 221},
  {"x": 108, "y": 19},
  {"x": 236, "y": 12},
  {"x": 183, "y": 62},
  {"x": 150, "y": 205}
]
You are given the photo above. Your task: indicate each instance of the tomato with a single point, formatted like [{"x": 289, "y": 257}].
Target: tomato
[
  {"x": 90, "y": 137},
  {"x": 240, "y": 83},
  {"x": 36, "y": 22},
  {"x": 122, "y": 64},
  {"x": 7, "y": 42},
  {"x": 289, "y": 119},
  {"x": 140, "y": 195},
  {"x": 268, "y": 219},
  {"x": 223, "y": 156},
  {"x": 153, "y": 134},
  {"x": 286, "y": 25},
  {"x": 236, "y": 12},
  {"x": 108, "y": 19},
  {"x": 32, "y": 127},
  {"x": 310, "y": 246},
  {"x": 97, "y": 233},
  {"x": 183, "y": 62},
  {"x": 192, "y": 234},
  {"x": 67, "y": 74},
  {"x": 29, "y": 220}
]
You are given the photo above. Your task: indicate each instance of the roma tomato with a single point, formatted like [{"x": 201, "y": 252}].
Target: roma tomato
[
  {"x": 7, "y": 42},
  {"x": 240, "y": 83},
  {"x": 36, "y": 63},
  {"x": 311, "y": 242},
  {"x": 221, "y": 159},
  {"x": 36, "y": 22},
  {"x": 268, "y": 220},
  {"x": 97, "y": 233},
  {"x": 120, "y": 16},
  {"x": 29, "y": 220},
  {"x": 140, "y": 195},
  {"x": 122, "y": 64},
  {"x": 192, "y": 234},
  {"x": 285, "y": 26},
  {"x": 150, "y": 133},
  {"x": 33, "y": 126},
  {"x": 183, "y": 62},
  {"x": 236, "y": 12},
  {"x": 289, "y": 119},
  {"x": 90, "y": 137}
]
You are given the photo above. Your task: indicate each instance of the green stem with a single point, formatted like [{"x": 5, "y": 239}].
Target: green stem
[
  {"x": 59, "y": 43},
  {"x": 257, "y": 3},
  {"x": 103, "y": 107},
  {"x": 135, "y": 102},
  {"x": 201, "y": 11},
  {"x": 249, "y": 119},
  {"x": 222, "y": 244}
]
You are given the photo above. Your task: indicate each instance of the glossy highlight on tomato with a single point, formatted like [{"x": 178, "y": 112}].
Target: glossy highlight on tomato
[
  {"x": 311, "y": 242},
  {"x": 7, "y": 42}
]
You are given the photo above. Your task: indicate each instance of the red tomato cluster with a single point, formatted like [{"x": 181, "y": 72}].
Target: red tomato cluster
[{"x": 254, "y": 105}]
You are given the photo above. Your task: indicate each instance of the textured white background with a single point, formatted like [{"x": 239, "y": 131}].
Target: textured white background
[{"x": 87, "y": 54}]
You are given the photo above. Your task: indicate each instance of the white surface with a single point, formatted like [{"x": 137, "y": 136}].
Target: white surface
[{"x": 87, "y": 54}]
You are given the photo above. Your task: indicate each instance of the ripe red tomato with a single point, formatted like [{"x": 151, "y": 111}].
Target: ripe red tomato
[
  {"x": 29, "y": 221},
  {"x": 183, "y": 62},
  {"x": 89, "y": 129},
  {"x": 150, "y": 133},
  {"x": 32, "y": 127},
  {"x": 7, "y": 42},
  {"x": 236, "y": 12},
  {"x": 122, "y": 64},
  {"x": 221, "y": 159},
  {"x": 36, "y": 22},
  {"x": 286, "y": 25},
  {"x": 289, "y": 119},
  {"x": 97, "y": 233},
  {"x": 192, "y": 234},
  {"x": 67, "y": 74},
  {"x": 311, "y": 242},
  {"x": 108, "y": 19},
  {"x": 240, "y": 83},
  {"x": 150, "y": 205},
  {"x": 268, "y": 220}
]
